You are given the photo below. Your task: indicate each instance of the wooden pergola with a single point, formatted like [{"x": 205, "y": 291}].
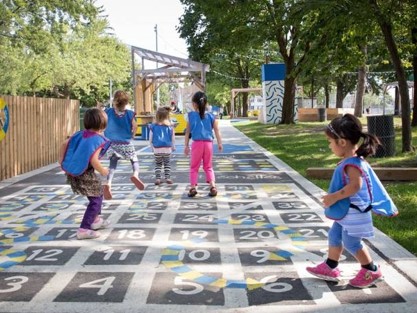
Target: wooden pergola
[
  {"x": 236, "y": 91},
  {"x": 168, "y": 68}
]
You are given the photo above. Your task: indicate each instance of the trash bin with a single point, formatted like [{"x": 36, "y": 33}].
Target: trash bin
[
  {"x": 382, "y": 126},
  {"x": 322, "y": 114}
]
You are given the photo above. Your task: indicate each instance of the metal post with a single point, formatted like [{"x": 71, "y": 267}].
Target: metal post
[{"x": 156, "y": 41}]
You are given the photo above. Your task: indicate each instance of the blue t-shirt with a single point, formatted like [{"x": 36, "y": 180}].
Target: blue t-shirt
[
  {"x": 201, "y": 129},
  {"x": 119, "y": 127}
]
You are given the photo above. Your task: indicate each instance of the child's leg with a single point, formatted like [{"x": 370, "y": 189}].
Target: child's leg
[
  {"x": 167, "y": 165},
  {"x": 92, "y": 211},
  {"x": 158, "y": 165},
  {"x": 112, "y": 168},
  {"x": 197, "y": 150},
  {"x": 208, "y": 163},
  {"x": 370, "y": 273},
  {"x": 328, "y": 270},
  {"x": 135, "y": 167},
  {"x": 135, "y": 178}
]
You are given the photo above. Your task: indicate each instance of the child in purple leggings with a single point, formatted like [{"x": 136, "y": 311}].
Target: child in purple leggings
[{"x": 79, "y": 159}]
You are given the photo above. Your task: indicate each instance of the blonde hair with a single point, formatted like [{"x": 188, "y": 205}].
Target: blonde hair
[
  {"x": 162, "y": 114},
  {"x": 120, "y": 99}
]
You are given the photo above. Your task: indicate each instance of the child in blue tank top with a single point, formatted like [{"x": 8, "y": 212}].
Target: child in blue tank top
[
  {"x": 79, "y": 157},
  {"x": 120, "y": 130},
  {"x": 162, "y": 140},
  {"x": 344, "y": 135},
  {"x": 200, "y": 127}
]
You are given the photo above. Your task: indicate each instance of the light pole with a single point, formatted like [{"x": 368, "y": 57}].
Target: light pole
[{"x": 156, "y": 41}]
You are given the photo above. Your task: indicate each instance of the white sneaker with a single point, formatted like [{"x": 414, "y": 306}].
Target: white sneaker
[
  {"x": 100, "y": 223},
  {"x": 83, "y": 233}
]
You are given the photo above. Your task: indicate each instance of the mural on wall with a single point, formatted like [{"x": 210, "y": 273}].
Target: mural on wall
[
  {"x": 4, "y": 118},
  {"x": 273, "y": 76}
]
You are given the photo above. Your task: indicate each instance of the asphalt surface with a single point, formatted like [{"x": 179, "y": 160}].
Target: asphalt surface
[{"x": 244, "y": 251}]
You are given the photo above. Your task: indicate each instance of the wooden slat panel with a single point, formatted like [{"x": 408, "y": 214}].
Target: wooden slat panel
[{"x": 37, "y": 128}]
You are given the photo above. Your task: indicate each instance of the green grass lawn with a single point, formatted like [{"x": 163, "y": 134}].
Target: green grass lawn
[{"x": 304, "y": 145}]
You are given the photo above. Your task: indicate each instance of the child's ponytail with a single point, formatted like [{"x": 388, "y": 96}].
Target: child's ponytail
[
  {"x": 200, "y": 99},
  {"x": 369, "y": 145}
]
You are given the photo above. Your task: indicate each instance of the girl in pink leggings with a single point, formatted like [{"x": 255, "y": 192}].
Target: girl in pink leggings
[{"x": 200, "y": 125}]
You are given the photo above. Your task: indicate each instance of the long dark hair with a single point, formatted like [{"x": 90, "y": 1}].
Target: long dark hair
[
  {"x": 200, "y": 99},
  {"x": 349, "y": 127}
]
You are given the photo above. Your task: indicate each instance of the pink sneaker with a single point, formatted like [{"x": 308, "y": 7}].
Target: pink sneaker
[
  {"x": 366, "y": 278},
  {"x": 323, "y": 271},
  {"x": 83, "y": 233}
]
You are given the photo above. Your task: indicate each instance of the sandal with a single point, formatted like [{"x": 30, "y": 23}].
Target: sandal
[
  {"x": 213, "y": 192},
  {"x": 107, "y": 192},
  {"x": 192, "y": 192},
  {"x": 137, "y": 182}
]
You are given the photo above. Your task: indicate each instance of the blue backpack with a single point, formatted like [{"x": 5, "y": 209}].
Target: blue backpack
[{"x": 381, "y": 203}]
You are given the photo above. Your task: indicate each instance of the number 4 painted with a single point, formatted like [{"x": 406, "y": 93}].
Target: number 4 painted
[{"x": 102, "y": 284}]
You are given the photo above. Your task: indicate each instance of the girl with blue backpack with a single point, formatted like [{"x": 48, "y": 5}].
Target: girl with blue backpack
[{"x": 354, "y": 193}]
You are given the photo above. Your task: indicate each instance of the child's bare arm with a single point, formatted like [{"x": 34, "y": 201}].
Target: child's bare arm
[
  {"x": 62, "y": 151},
  {"x": 354, "y": 185},
  {"x": 217, "y": 134},
  {"x": 187, "y": 140},
  {"x": 134, "y": 127},
  {"x": 95, "y": 162}
]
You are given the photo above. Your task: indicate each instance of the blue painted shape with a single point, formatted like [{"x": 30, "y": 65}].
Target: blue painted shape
[
  {"x": 169, "y": 258},
  {"x": 273, "y": 72},
  {"x": 236, "y": 284},
  {"x": 283, "y": 253},
  {"x": 181, "y": 269},
  {"x": 205, "y": 280}
]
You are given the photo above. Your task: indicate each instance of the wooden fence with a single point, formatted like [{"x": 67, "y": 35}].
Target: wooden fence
[{"x": 37, "y": 128}]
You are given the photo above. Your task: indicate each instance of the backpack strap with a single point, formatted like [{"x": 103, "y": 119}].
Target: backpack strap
[{"x": 354, "y": 206}]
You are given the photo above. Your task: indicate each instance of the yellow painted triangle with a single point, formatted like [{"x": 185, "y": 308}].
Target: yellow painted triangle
[
  {"x": 170, "y": 252},
  {"x": 253, "y": 284},
  {"x": 281, "y": 227},
  {"x": 191, "y": 275},
  {"x": 276, "y": 257},
  {"x": 170, "y": 264},
  {"x": 221, "y": 283}
]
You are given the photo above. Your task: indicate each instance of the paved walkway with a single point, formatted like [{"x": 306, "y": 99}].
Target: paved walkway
[{"x": 244, "y": 251}]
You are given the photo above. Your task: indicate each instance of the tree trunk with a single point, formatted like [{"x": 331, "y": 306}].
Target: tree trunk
[
  {"x": 339, "y": 94},
  {"x": 327, "y": 95},
  {"x": 245, "y": 96},
  {"x": 288, "y": 102},
  {"x": 396, "y": 102},
  {"x": 360, "y": 91},
  {"x": 386, "y": 29},
  {"x": 414, "y": 41}
]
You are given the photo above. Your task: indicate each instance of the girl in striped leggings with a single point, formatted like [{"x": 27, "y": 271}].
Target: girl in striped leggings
[{"x": 162, "y": 139}]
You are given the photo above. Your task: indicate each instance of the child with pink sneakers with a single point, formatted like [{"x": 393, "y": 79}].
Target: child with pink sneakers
[
  {"x": 79, "y": 158},
  {"x": 348, "y": 202}
]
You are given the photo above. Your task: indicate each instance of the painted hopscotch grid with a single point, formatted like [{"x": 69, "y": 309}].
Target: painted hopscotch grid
[{"x": 246, "y": 247}]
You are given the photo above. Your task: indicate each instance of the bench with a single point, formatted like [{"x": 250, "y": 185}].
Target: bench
[{"x": 384, "y": 173}]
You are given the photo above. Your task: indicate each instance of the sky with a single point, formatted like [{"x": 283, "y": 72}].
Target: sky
[{"x": 134, "y": 23}]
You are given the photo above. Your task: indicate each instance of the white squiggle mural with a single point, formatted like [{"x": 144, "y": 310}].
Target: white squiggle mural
[{"x": 273, "y": 95}]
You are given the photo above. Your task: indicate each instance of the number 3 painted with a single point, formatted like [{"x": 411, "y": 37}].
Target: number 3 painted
[{"x": 15, "y": 284}]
